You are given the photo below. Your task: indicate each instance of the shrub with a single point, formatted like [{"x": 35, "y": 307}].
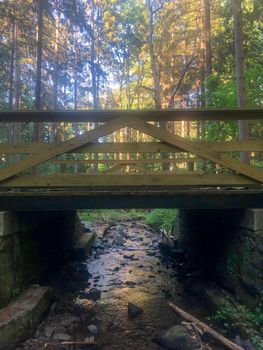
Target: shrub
[
  {"x": 161, "y": 219},
  {"x": 251, "y": 321}
]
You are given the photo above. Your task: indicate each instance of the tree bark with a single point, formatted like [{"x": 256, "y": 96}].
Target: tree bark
[
  {"x": 17, "y": 126},
  {"x": 94, "y": 85},
  {"x": 208, "y": 46},
  {"x": 154, "y": 66},
  {"x": 206, "y": 329},
  {"x": 38, "y": 87},
  {"x": 12, "y": 63},
  {"x": 93, "y": 59},
  {"x": 155, "y": 74},
  {"x": 240, "y": 72},
  {"x": 54, "y": 126}
]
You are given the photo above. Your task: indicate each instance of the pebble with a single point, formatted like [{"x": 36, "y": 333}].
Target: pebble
[
  {"x": 68, "y": 321},
  {"x": 93, "y": 294},
  {"x": 134, "y": 310},
  {"x": 93, "y": 329},
  {"x": 61, "y": 336},
  {"x": 130, "y": 283},
  {"x": 176, "y": 338},
  {"x": 151, "y": 253},
  {"x": 126, "y": 256},
  {"x": 49, "y": 331}
]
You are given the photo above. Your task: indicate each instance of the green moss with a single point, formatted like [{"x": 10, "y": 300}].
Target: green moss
[{"x": 233, "y": 262}]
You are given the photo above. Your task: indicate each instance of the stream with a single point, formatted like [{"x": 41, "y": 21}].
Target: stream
[{"x": 92, "y": 295}]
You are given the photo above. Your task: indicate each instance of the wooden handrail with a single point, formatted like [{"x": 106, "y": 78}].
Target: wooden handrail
[
  {"x": 126, "y": 161},
  {"x": 187, "y": 114},
  {"x": 135, "y": 147}
]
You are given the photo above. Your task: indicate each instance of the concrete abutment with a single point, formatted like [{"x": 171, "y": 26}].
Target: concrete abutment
[
  {"x": 31, "y": 245},
  {"x": 227, "y": 245}
]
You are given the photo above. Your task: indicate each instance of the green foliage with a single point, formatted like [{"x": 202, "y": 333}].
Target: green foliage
[
  {"x": 242, "y": 318},
  {"x": 221, "y": 91},
  {"x": 109, "y": 215},
  {"x": 16, "y": 292},
  {"x": 161, "y": 219}
]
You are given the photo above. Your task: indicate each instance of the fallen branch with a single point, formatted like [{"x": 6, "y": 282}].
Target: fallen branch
[
  {"x": 167, "y": 238},
  {"x": 106, "y": 229},
  {"x": 206, "y": 329}
]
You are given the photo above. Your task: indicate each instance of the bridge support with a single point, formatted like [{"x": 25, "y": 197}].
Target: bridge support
[
  {"x": 228, "y": 246},
  {"x": 31, "y": 245}
]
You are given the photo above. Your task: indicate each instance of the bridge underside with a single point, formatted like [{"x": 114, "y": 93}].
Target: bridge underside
[{"x": 127, "y": 198}]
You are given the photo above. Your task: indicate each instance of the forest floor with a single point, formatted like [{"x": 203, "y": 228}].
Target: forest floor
[{"x": 117, "y": 298}]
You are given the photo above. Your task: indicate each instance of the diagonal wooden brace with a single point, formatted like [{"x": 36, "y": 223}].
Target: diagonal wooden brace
[
  {"x": 198, "y": 149},
  {"x": 58, "y": 149}
]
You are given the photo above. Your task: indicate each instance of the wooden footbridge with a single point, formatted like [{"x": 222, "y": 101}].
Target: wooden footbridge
[{"x": 162, "y": 170}]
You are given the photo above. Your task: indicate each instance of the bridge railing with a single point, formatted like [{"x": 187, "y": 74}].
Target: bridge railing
[{"x": 99, "y": 156}]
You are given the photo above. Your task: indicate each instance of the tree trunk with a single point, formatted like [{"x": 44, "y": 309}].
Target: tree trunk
[
  {"x": 15, "y": 88},
  {"x": 7, "y": 126},
  {"x": 17, "y": 126},
  {"x": 12, "y": 63},
  {"x": 75, "y": 124},
  {"x": 208, "y": 48},
  {"x": 154, "y": 66},
  {"x": 240, "y": 72},
  {"x": 95, "y": 95},
  {"x": 38, "y": 88},
  {"x": 93, "y": 60},
  {"x": 155, "y": 74},
  {"x": 54, "y": 125}
]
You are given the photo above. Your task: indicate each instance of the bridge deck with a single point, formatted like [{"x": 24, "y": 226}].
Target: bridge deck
[
  {"x": 93, "y": 170},
  {"x": 131, "y": 198}
]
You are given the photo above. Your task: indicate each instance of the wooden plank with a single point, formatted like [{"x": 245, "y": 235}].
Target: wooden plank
[
  {"x": 189, "y": 192},
  {"x": 150, "y": 172},
  {"x": 126, "y": 162},
  {"x": 147, "y": 115},
  {"x": 136, "y": 147},
  {"x": 236, "y": 146},
  {"x": 154, "y": 198},
  {"x": 55, "y": 150},
  {"x": 119, "y": 167},
  {"x": 131, "y": 180},
  {"x": 199, "y": 150}
]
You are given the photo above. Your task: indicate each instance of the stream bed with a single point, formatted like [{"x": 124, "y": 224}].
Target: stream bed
[{"x": 92, "y": 296}]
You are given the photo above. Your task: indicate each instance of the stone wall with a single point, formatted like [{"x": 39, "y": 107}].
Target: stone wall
[
  {"x": 32, "y": 245},
  {"x": 228, "y": 246}
]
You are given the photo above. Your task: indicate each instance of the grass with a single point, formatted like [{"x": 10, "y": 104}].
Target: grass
[
  {"x": 157, "y": 218},
  {"x": 111, "y": 214}
]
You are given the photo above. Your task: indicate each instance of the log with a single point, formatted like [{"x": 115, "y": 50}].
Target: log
[{"x": 206, "y": 329}]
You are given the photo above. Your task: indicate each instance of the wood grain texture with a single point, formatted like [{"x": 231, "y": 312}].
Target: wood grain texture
[
  {"x": 135, "y": 180},
  {"x": 136, "y": 147},
  {"x": 56, "y": 150},
  {"x": 147, "y": 115},
  {"x": 127, "y": 161},
  {"x": 197, "y": 149}
]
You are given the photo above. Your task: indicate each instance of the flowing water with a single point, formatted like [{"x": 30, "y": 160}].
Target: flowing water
[{"x": 126, "y": 267}]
